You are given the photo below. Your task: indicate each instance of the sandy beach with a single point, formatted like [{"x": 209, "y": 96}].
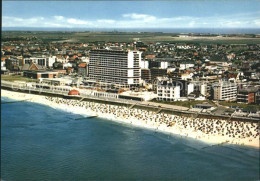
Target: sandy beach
[{"x": 213, "y": 131}]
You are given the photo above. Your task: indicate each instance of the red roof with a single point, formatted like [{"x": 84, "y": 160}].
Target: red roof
[
  {"x": 82, "y": 65},
  {"x": 188, "y": 71},
  {"x": 74, "y": 92}
]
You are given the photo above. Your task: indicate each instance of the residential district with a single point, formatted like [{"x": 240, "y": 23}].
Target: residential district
[{"x": 218, "y": 79}]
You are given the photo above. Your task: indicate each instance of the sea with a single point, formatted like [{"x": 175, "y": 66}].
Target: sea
[{"x": 42, "y": 143}]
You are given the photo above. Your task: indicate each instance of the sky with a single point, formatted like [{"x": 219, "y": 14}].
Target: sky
[{"x": 132, "y": 14}]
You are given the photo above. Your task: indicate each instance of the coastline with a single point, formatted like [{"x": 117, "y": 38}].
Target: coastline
[{"x": 153, "y": 125}]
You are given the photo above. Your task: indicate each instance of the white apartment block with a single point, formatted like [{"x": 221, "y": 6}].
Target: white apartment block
[
  {"x": 225, "y": 91},
  {"x": 43, "y": 61},
  {"x": 167, "y": 91},
  {"x": 122, "y": 68}
]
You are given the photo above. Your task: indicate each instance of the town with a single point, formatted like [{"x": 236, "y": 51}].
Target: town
[
  {"x": 198, "y": 77},
  {"x": 130, "y": 90}
]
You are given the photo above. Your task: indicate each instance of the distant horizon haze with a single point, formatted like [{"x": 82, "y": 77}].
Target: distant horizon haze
[{"x": 161, "y": 30}]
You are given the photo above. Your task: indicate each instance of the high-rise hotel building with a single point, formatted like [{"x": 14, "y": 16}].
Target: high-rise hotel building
[{"x": 121, "y": 68}]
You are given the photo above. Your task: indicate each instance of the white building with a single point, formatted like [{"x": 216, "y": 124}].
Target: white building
[
  {"x": 203, "y": 89},
  {"x": 121, "y": 68},
  {"x": 186, "y": 76},
  {"x": 3, "y": 67},
  {"x": 171, "y": 69},
  {"x": 50, "y": 61},
  {"x": 85, "y": 59},
  {"x": 144, "y": 64},
  {"x": 43, "y": 61},
  {"x": 66, "y": 65},
  {"x": 164, "y": 65},
  {"x": 190, "y": 88},
  {"x": 168, "y": 91},
  {"x": 186, "y": 64},
  {"x": 225, "y": 91},
  {"x": 106, "y": 94},
  {"x": 185, "y": 47},
  {"x": 37, "y": 60},
  {"x": 144, "y": 95},
  {"x": 62, "y": 59}
]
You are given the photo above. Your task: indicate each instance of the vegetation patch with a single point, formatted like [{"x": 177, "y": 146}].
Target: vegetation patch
[
  {"x": 184, "y": 103},
  {"x": 13, "y": 78},
  {"x": 241, "y": 105}
]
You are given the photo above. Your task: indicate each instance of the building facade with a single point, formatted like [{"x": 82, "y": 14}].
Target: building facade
[
  {"x": 158, "y": 72},
  {"x": 186, "y": 64},
  {"x": 144, "y": 64},
  {"x": 115, "y": 67},
  {"x": 146, "y": 74},
  {"x": 247, "y": 95},
  {"x": 225, "y": 91},
  {"x": 40, "y": 74},
  {"x": 203, "y": 89},
  {"x": 43, "y": 61},
  {"x": 83, "y": 69},
  {"x": 167, "y": 90}
]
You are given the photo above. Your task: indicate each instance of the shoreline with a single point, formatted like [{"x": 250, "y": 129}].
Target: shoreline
[{"x": 169, "y": 124}]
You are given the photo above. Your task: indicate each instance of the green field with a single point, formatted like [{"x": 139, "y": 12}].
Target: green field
[
  {"x": 184, "y": 103},
  {"x": 241, "y": 105},
  {"x": 146, "y": 37},
  {"x": 13, "y": 78}
]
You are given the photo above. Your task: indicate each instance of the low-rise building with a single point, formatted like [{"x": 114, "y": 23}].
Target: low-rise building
[
  {"x": 57, "y": 81},
  {"x": 105, "y": 94},
  {"x": 186, "y": 76},
  {"x": 42, "y": 61},
  {"x": 40, "y": 74},
  {"x": 143, "y": 96},
  {"x": 32, "y": 67},
  {"x": 186, "y": 64},
  {"x": 203, "y": 106},
  {"x": 83, "y": 69}
]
